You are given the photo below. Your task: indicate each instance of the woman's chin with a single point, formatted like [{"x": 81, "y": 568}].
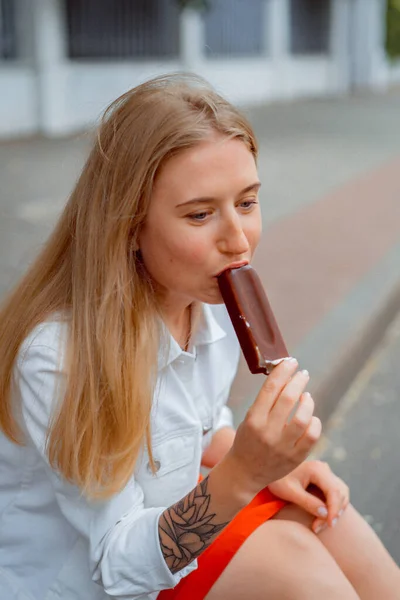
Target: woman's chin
[{"x": 213, "y": 297}]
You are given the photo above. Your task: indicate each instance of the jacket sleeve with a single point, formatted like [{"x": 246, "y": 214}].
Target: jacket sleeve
[
  {"x": 225, "y": 419},
  {"x": 125, "y": 554}
]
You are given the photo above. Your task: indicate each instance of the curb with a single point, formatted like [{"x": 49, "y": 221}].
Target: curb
[{"x": 332, "y": 388}]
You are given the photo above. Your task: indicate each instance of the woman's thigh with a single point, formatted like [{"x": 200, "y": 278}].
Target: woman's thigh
[
  {"x": 357, "y": 550},
  {"x": 282, "y": 560}
]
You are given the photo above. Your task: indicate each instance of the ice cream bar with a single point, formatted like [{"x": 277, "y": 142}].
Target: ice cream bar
[{"x": 252, "y": 317}]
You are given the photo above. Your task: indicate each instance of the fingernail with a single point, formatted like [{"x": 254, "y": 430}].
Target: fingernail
[
  {"x": 334, "y": 522},
  {"x": 322, "y": 511},
  {"x": 305, "y": 373},
  {"x": 341, "y": 511},
  {"x": 291, "y": 360}
]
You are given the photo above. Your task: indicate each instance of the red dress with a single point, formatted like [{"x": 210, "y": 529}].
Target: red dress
[{"x": 213, "y": 561}]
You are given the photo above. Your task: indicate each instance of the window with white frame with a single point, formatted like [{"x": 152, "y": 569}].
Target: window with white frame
[
  {"x": 310, "y": 22},
  {"x": 8, "y": 37},
  {"x": 122, "y": 29},
  {"x": 235, "y": 28}
]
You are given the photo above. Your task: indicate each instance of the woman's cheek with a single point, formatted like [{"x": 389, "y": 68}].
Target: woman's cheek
[
  {"x": 198, "y": 252},
  {"x": 253, "y": 236}
]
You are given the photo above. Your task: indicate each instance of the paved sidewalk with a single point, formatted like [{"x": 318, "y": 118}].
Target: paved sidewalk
[
  {"x": 362, "y": 444},
  {"x": 331, "y": 248}
]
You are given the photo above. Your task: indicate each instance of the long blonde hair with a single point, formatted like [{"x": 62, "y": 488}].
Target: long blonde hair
[{"x": 90, "y": 272}]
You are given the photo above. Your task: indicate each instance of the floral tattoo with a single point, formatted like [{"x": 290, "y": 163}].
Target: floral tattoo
[{"x": 186, "y": 529}]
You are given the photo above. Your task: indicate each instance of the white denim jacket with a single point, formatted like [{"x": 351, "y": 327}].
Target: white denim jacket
[{"x": 56, "y": 545}]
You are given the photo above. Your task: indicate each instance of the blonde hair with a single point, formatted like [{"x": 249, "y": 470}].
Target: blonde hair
[{"x": 90, "y": 272}]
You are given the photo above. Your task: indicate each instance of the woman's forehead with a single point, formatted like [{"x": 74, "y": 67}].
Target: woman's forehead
[{"x": 207, "y": 162}]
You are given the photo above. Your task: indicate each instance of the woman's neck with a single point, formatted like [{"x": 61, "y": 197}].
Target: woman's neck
[{"x": 179, "y": 325}]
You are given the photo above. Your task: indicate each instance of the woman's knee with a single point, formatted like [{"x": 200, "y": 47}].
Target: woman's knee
[
  {"x": 314, "y": 565},
  {"x": 282, "y": 560}
]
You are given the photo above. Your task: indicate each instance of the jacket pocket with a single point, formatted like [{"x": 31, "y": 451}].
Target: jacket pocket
[{"x": 177, "y": 462}]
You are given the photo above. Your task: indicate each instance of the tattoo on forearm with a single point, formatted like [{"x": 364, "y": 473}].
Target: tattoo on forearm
[{"x": 187, "y": 528}]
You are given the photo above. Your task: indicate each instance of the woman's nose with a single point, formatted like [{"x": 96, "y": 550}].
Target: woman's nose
[{"x": 232, "y": 239}]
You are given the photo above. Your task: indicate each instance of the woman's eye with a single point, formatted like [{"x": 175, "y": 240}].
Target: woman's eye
[
  {"x": 198, "y": 216},
  {"x": 248, "y": 203}
]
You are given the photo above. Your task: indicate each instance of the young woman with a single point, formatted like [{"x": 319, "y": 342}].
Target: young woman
[{"x": 116, "y": 360}]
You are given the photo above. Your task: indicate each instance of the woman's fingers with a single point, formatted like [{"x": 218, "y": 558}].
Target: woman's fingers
[
  {"x": 271, "y": 389},
  {"x": 266, "y": 445},
  {"x": 301, "y": 419},
  {"x": 309, "y": 438},
  {"x": 337, "y": 498},
  {"x": 336, "y": 492},
  {"x": 321, "y": 524},
  {"x": 280, "y": 412}
]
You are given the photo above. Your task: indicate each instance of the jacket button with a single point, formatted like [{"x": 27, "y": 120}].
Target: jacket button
[
  {"x": 206, "y": 429},
  {"x": 157, "y": 466}
]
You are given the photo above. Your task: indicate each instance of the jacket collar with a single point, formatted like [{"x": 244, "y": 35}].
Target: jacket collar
[{"x": 207, "y": 331}]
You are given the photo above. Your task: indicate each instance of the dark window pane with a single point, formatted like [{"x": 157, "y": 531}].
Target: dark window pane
[
  {"x": 102, "y": 29},
  {"x": 8, "y": 38},
  {"x": 235, "y": 27},
  {"x": 309, "y": 26}
]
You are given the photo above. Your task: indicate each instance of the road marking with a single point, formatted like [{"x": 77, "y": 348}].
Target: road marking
[{"x": 355, "y": 392}]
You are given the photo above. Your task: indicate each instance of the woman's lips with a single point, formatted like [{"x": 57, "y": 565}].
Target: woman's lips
[{"x": 235, "y": 265}]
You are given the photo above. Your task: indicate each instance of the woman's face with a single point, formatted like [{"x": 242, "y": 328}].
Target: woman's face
[{"x": 204, "y": 216}]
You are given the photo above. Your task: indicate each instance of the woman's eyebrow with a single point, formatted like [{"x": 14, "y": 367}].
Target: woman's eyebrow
[{"x": 250, "y": 188}]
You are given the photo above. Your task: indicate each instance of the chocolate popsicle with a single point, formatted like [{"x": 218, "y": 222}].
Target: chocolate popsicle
[{"x": 252, "y": 317}]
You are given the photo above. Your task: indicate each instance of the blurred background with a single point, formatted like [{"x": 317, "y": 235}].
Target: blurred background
[
  {"x": 320, "y": 81},
  {"x": 63, "y": 60}
]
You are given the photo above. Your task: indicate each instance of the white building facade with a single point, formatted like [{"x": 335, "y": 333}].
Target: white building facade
[{"x": 63, "y": 61}]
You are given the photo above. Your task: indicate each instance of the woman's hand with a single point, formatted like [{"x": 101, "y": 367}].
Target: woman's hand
[
  {"x": 293, "y": 488},
  {"x": 267, "y": 446}
]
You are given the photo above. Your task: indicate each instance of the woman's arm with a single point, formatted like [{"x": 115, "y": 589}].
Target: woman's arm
[
  {"x": 221, "y": 443},
  {"x": 264, "y": 445},
  {"x": 188, "y": 527}
]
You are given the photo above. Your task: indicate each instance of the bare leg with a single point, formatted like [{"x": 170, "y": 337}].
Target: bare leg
[
  {"x": 282, "y": 560},
  {"x": 358, "y": 552}
]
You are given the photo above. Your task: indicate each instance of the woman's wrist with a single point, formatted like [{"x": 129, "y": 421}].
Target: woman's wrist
[
  {"x": 233, "y": 483},
  {"x": 216, "y": 500}
]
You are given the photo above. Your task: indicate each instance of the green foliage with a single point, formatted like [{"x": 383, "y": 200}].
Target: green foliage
[{"x": 393, "y": 28}]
